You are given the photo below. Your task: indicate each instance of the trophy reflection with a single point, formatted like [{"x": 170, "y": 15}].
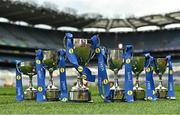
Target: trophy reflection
[
  {"x": 50, "y": 63},
  {"x": 115, "y": 62},
  {"x": 28, "y": 68},
  {"x": 160, "y": 69},
  {"x": 137, "y": 67},
  {"x": 80, "y": 92}
]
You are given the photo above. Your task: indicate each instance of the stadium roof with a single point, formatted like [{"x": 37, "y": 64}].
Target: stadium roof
[{"x": 33, "y": 15}]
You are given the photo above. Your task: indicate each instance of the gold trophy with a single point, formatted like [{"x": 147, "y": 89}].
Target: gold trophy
[
  {"x": 160, "y": 68},
  {"x": 115, "y": 62},
  {"x": 80, "y": 92},
  {"x": 28, "y": 68},
  {"x": 50, "y": 63},
  {"x": 137, "y": 67}
]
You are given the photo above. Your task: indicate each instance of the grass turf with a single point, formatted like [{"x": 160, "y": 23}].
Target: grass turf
[{"x": 9, "y": 105}]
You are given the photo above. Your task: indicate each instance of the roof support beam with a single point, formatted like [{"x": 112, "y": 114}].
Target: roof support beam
[
  {"x": 130, "y": 24},
  {"x": 109, "y": 24},
  {"x": 150, "y": 23},
  {"x": 172, "y": 18}
]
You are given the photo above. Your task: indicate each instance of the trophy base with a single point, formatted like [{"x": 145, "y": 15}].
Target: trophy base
[
  {"x": 171, "y": 98},
  {"x": 30, "y": 94},
  {"x": 139, "y": 93},
  {"x": 80, "y": 96},
  {"x": 52, "y": 94},
  {"x": 79, "y": 92},
  {"x": 161, "y": 92},
  {"x": 117, "y": 94}
]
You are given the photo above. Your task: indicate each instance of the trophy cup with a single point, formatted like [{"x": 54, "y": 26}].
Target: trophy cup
[
  {"x": 137, "y": 67},
  {"x": 115, "y": 62},
  {"x": 50, "y": 63},
  {"x": 83, "y": 51},
  {"x": 160, "y": 68},
  {"x": 28, "y": 68}
]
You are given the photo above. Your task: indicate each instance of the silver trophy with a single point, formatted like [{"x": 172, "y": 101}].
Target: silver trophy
[
  {"x": 50, "y": 63},
  {"x": 28, "y": 68},
  {"x": 137, "y": 67},
  {"x": 115, "y": 62},
  {"x": 80, "y": 92},
  {"x": 160, "y": 68}
]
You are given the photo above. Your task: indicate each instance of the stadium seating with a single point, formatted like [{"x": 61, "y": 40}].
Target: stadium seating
[{"x": 15, "y": 36}]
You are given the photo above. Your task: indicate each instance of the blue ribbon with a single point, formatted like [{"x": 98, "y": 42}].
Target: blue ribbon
[
  {"x": 62, "y": 71},
  {"x": 73, "y": 59},
  {"x": 128, "y": 74},
  {"x": 41, "y": 88},
  {"x": 150, "y": 87},
  {"x": 19, "y": 87},
  {"x": 102, "y": 74},
  {"x": 171, "y": 93}
]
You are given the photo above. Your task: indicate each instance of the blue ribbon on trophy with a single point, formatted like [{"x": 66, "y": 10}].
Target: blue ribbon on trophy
[
  {"x": 150, "y": 87},
  {"x": 62, "y": 70},
  {"x": 19, "y": 87},
  {"x": 83, "y": 71},
  {"x": 129, "y": 97},
  {"x": 102, "y": 74},
  {"x": 171, "y": 93},
  {"x": 41, "y": 88}
]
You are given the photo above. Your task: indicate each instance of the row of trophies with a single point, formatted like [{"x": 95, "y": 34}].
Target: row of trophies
[{"x": 79, "y": 52}]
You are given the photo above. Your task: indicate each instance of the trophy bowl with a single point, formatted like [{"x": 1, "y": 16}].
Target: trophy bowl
[
  {"x": 137, "y": 67},
  {"x": 28, "y": 68},
  {"x": 50, "y": 63},
  {"x": 80, "y": 92},
  {"x": 161, "y": 91},
  {"x": 115, "y": 62}
]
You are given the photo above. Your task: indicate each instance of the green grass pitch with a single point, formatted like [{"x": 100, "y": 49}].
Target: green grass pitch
[{"x": 8, "y": 105}]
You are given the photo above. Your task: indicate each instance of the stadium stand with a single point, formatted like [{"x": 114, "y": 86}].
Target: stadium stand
[
  {"x": 20, "y": 42},
  {"x": 33, "y": 38},
  {"x": 33, "y": 14},
  {"x": 28, "y": 37}
]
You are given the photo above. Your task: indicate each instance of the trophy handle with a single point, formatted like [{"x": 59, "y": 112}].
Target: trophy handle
[
  {"x": 64, "y": 41},
  {"x": 98, "y": 39},
  {"x": 91, "y": 56}
]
